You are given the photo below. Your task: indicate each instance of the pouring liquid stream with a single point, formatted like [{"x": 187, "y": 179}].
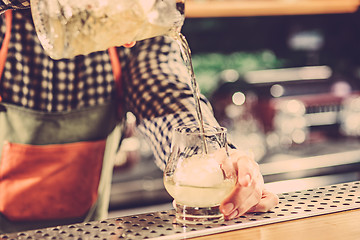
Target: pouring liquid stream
[{"x": 186, "y": 55}]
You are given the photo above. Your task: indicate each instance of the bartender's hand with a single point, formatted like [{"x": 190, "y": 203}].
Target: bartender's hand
[
  {"x": 130, "y": 44},
  {"x": 249, "y": 194}
]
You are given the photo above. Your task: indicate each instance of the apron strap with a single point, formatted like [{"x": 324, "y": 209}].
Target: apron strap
[
  {"x": 116, "y": 68},
  {"x": 114, "y": 57},
  {"x": 5, "y": 43}
]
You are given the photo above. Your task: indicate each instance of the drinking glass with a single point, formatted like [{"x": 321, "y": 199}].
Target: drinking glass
[{"x": 199, "y": 173}]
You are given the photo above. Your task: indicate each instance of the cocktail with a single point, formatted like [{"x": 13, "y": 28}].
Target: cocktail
[{"x": 199, "y": 173}]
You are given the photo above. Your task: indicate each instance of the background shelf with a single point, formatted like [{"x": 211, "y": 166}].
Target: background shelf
[{"x": 239, "y": 8}]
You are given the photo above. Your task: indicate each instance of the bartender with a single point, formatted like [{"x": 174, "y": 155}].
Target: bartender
[{"x": 61, "y": 121}]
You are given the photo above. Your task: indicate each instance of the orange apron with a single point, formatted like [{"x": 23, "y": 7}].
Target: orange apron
[{"x": 51, "y": 163}]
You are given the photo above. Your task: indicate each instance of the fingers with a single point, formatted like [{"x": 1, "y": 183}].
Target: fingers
[
  {"x": 236, "y": 206},
  {"x": 245, "y": 181},
  {"x": 267, "y": 202},
  {"x": 249, "y": 193},
  {"x": 241, "y": 200},
  {"x": 246, "y": 167},
  {"x": 130, "y": 44}
]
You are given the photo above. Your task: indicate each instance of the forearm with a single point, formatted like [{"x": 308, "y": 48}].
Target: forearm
[
  {"x": 158, "y": 131},
  {"x": 159, "y": 93}
]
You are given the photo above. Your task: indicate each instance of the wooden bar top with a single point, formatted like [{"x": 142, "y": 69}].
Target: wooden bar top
[{"x": 341, "y": 225}]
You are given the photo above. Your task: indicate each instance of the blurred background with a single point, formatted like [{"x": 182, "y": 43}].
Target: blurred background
[{"x": 284, "y": 77}]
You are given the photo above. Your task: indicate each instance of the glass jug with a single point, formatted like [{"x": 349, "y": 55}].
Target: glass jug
[
  {"x": 67, "y": 28},
  {"x": 199, "y": 178}
]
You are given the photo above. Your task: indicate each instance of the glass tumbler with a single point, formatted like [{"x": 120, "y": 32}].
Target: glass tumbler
[{"x": 199, "y": 173}]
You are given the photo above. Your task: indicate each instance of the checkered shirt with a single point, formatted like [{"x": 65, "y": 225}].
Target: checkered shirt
[
  {"x": 13, "y": 4},
  {"x": 155, "y": 81}
]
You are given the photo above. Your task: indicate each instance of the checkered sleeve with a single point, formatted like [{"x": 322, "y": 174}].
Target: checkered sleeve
[
  {"x": 13, "y": 4},
  {"x": 159, "y": 93}
]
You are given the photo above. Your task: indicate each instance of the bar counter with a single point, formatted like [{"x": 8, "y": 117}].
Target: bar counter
[
  {"x": 329, "y": 212},
  {"x": 342, "y": 225}
]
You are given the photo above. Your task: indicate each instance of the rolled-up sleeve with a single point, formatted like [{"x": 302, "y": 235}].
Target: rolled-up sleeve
[
  {"x": 158, "y": 92},
  {"x": 13, "y": 4}
]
